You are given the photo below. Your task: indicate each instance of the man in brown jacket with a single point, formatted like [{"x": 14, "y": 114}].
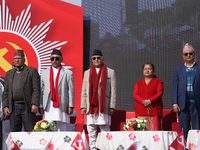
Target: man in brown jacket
[
  {"x": 98, "y": 97},
  {"x": 21, "y": 94}
]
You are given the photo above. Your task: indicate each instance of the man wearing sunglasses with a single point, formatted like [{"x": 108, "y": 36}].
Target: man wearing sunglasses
[
  {"x": 57, "y": 92},
  {"x": 186, "y": 91},
  {"x": 98, "y": 97},
  {"x": 21, "y": 94}
]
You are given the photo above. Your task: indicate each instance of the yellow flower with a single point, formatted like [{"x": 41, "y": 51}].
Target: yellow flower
[
  {"x": 141, "y": 118},
  {"x": 35, "y": 127},
  {"x": 43, "y": 125},
  {"x": 138, "y": 125}
]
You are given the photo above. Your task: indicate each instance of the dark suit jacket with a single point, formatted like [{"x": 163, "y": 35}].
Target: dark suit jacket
[
  {"x": 179, "y": 86},
  {"x": 31, "y": 87}
]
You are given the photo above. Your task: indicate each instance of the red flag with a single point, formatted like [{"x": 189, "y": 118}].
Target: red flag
[
  {"x": 135, "y": 146},
  {"x": 179, "y": 142},
  {"x": 77, "y": 143},
  {"x": 13, "y": 146}
]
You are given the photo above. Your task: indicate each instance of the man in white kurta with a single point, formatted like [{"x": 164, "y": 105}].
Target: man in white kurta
[
  {"x": 57, "y": 110},
  {"x": 98, "y": 106}
]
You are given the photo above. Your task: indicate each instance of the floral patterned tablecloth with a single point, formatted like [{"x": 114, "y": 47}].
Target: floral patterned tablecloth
[
  {"x": 121, "y": 140},
  {"x": 192, "y": 139},
  {"x": 41, "y": 140}
]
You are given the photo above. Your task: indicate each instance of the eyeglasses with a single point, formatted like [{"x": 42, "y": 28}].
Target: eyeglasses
[
  {"x": 145, "y": 69},
  {"x": 53, "y": 58},
  {"x": 94, "y": 58},
  {"x": 186, "y": 54},
  {"x": 16, "y": 58}
]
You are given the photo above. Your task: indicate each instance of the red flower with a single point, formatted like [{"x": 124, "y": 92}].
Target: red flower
[
  {"x": 131, "y": 129},
  {"x": 132, "y": 123},
  {"x": 198, "y": 131},
  {"x": 156, "y": 138},
  {"x": 44, "y": 121},
  {"x": 191, "y": 146},
  {"x": 43, "y": 141},
  {"x": 109, "y": 136},
  {"x": 132, "y": 136}
]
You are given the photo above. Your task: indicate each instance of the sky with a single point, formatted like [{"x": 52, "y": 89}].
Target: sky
[{"x": 75, "y": 2}]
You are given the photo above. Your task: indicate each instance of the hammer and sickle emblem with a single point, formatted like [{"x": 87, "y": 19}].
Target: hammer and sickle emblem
[
  {"x": 79, "y": 147},
  {"x": 5, "y": 65},
  {"x": 181, "y": 140}
]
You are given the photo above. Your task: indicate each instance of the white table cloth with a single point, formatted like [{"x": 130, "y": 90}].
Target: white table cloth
[
  {"x": 41, "y": 140},
  {"x": 192, "y": 139},
  {"x": 152, "y": 140}
]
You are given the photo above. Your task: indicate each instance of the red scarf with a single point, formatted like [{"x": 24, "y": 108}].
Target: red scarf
[
  {"x": 54, "y": 91},
  {"x": 93, "y": 89}
]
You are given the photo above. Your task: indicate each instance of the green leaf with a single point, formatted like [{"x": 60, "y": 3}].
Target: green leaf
[{"x": 124, "y": 128}]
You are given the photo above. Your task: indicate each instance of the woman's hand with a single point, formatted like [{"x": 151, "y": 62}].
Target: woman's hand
[
  {"x": 146, "y": 102},
  {"x": 149, "y": 107}
]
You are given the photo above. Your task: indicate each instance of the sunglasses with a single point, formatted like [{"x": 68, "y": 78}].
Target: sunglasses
[
  {"x": 17, "y": 58},
  {"x": 53, "y": 58},
  {"x": 94, "y": 58},
  {"x": 186, "y": 54}
]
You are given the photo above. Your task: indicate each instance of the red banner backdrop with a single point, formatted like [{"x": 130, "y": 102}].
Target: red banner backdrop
[{"x": 39, "y": 26}]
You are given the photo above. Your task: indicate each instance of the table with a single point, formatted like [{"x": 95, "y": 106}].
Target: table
[
  {"x": 152, "y": 140},
  {"x": 42, "y": 140},
  {"x": 192, "y": 139}
]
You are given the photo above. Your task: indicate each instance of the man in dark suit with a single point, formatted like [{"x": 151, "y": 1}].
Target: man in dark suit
[
  {"x": 186, "y": 91},
  {"x": 21, "y": 94}
]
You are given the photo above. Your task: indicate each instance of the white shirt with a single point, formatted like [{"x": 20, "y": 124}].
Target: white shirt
[
  {"x": 98, "y": 118},
  {"x": 54, "y": 113},
  {"x": 191, "y": 66},
  {"x": 71, "y": 126}
]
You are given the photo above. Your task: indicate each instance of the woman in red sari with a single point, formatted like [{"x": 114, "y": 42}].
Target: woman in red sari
[{"x": 148, "y": 95}]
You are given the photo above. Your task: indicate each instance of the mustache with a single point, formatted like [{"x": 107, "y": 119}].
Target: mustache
[{"x": 96, "y": 61}]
